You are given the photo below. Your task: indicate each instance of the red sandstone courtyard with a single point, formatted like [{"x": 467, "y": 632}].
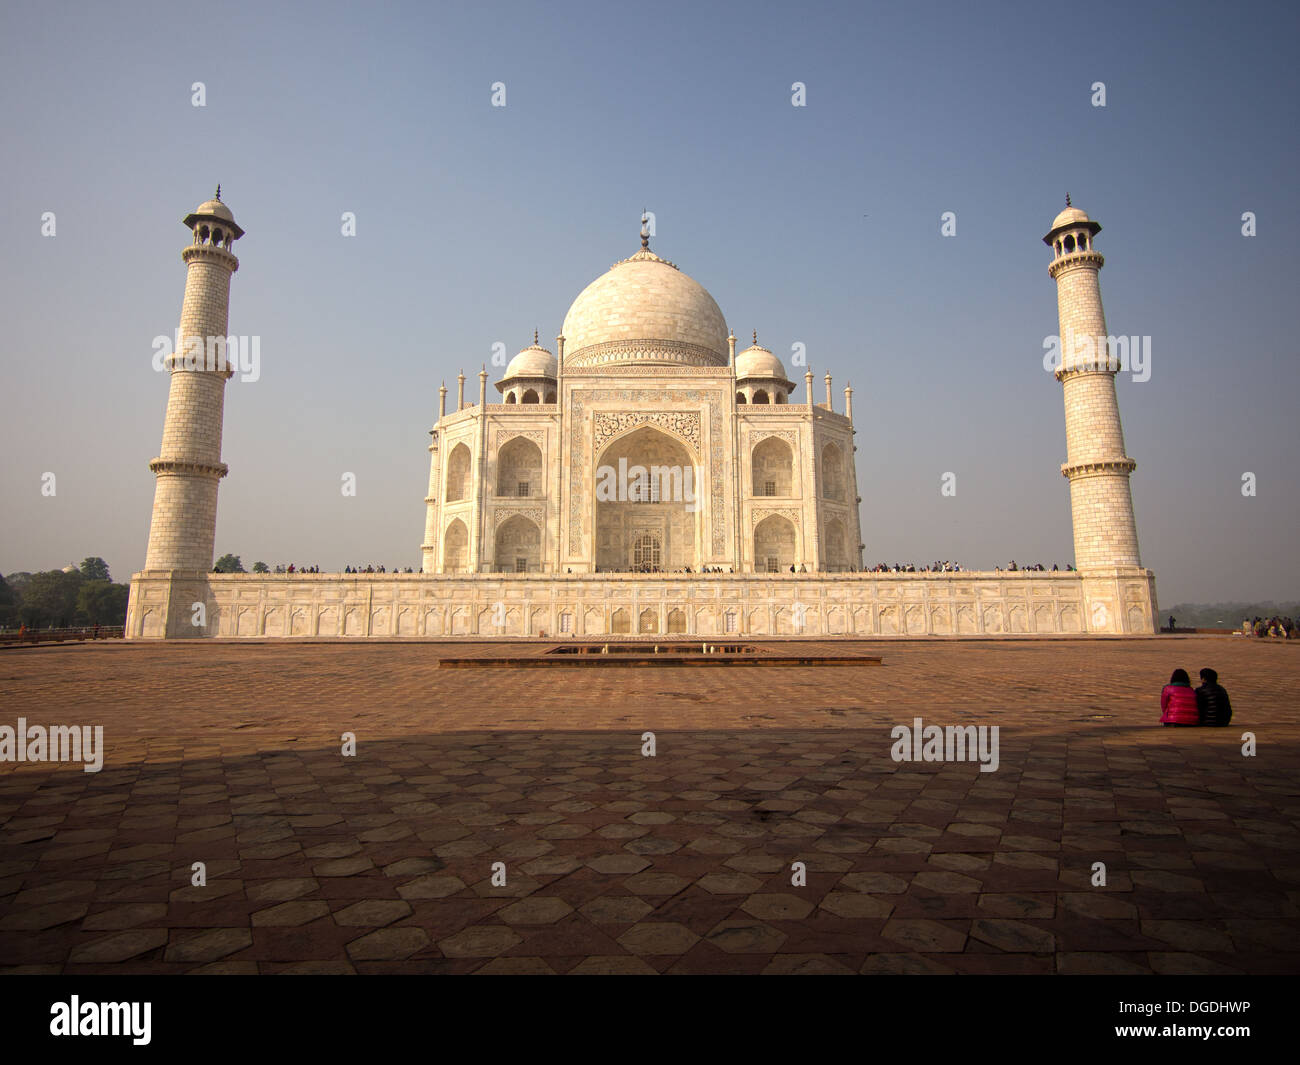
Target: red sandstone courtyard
[{"x": 229, "y": 754}]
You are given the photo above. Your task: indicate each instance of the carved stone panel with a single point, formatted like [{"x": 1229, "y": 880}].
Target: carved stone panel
[{"x": 685, "y": 425}]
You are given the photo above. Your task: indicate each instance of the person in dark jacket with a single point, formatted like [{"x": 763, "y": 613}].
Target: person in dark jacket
[
  {"x": 1212, "y": 700},
  {"x": 1178, "y": 701}
]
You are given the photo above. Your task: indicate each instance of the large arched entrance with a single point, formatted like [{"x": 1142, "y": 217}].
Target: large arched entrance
[{"x": 647, "y": 510}]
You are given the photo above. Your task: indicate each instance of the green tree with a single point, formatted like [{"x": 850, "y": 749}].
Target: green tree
[
  {"x": 95, "y": 569},
  {"x": 261, "y": 567},
  {"x": 8, "y": 605},
  {"x": 103, "y": 602},
  {"x": 228, "y": 563},
  {"x": 50, "y": 598}
]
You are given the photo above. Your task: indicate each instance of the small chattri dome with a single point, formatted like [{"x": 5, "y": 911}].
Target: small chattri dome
[
  {"x": 759, "y": 362},
  {"x": 214, "y": 211},
  {"x": 215, "y": 208},
  {"x": 1071, "y": 216},
  {"x": 533, "y": 361}
]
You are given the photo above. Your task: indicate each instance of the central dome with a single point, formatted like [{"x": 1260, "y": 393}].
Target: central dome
[{"x": 644, "y": 310}]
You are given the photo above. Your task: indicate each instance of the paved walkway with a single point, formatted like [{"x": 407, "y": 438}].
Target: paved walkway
[{"x": 229, "y": 754}]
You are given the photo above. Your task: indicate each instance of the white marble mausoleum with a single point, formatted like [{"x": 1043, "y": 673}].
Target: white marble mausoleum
[{"x": 645, "y": 477}]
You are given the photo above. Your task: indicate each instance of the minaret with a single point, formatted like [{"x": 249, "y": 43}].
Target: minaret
[
  {"x": 189, "y": 464},
  {"x": 1105, "y": 535}
]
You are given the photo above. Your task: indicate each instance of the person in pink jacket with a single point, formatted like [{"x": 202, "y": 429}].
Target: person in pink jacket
[{"x": 1178, "y": 701}]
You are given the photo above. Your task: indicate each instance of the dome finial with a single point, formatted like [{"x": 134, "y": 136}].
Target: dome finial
[
  {"x": 645, "y": 229},
  {"x": 755, "y": 338},
  {"x": 217, "y": 197},
  {"x": 1067, "y": 200},
  {"x": 534, "y": 338}
]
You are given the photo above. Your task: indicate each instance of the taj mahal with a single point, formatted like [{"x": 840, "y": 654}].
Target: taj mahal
[{"x": 644, "y": 478}]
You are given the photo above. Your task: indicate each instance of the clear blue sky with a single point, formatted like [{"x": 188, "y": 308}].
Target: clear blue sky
[{"x": 818, "y": 225}]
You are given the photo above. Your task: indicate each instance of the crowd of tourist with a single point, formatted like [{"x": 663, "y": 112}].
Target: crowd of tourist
[
  {"x": 293, "y": 567},
  {"x": 912, "y": 567},
  {"x": 1277, "y": 627},
  {"x": 657, "y": 569}
]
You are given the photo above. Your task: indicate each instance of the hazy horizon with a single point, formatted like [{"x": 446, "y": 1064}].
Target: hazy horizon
[{"x": 816, "y": 225}]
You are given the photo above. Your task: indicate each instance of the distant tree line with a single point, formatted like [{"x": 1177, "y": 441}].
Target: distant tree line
[
  {"x": 1224, "y": 615},
  {"x": 63, "y": 599}
]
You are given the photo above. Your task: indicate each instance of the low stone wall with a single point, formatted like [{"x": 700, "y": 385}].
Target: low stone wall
[{"x": 167, "y": 604}]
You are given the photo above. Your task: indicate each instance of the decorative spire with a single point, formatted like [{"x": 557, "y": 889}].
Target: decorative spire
[
  {"x": 534, "y": 338},
  {"x": 755, "y": 338},
  {"x": 645, "y": 229},
  {"x": 217, "y": 197},
  {"x": 1067, "y": 200}
]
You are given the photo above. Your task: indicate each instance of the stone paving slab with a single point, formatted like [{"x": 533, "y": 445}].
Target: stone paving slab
[{"x": 392, "y": 860}]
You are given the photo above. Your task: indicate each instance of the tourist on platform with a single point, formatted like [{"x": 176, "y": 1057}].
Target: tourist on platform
[
  {"x": 1178, "y": 701},
  {"x": 1212, "y": 700}
]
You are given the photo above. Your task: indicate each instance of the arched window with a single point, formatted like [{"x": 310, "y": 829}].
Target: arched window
[
  {"x": 647, "y": 553},
  {"x": 457, "y": 474},
  {"x": 836, "y": 554},
  {"x": 530, "y": 396},
  {"x": 519, "y": 468},
  {"x": 774, "y": 544},
  {"x": 740, "y": 397},
  {"x": 510, "y": 397},
  {"x": 832, "y": 472},
  {"x": 455, "y": 551},
  {"x": 773, "y": 468},
  {"x": 761, "y": 396},
  {"x": 1069, "y": 243},
  {"x": 518, "y": 546}
]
